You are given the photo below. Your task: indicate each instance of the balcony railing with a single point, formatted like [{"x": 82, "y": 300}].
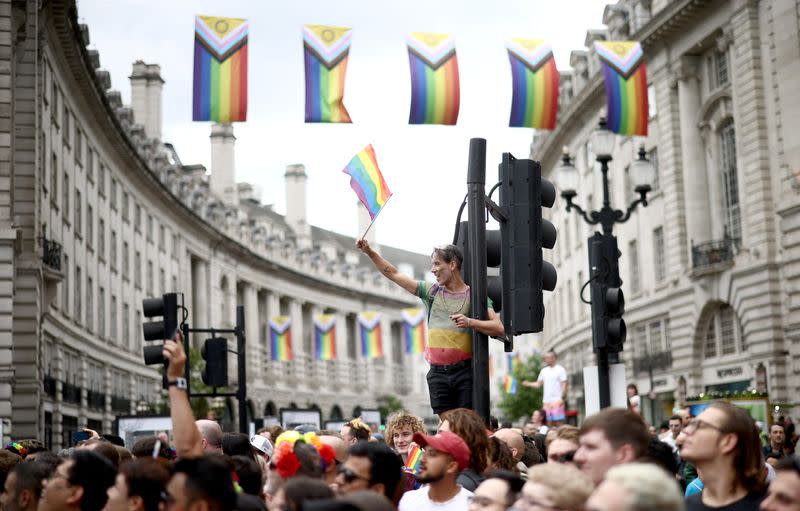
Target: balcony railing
[
  {"x": 96, "y": 400},
  {"x": 120, "y": 404},
  {"x": 51, "y": 254},
  {"x": 660, "y": 361},
  {"x": 71, "y": 393},
  {"x": 49, "y": 384},
  {"x": 713, "y": 253}
]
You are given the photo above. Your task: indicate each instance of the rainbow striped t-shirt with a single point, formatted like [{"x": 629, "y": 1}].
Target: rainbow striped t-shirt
[{"x": 447, "y": 344}]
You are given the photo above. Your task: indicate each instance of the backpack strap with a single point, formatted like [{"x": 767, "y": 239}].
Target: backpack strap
[{"x": 431, "y": 295}]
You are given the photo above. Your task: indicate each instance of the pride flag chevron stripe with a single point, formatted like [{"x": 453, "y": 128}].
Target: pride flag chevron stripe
[
  {"x": 535, "y": 84},
  {"x": 625, "y": 75},
  {"x": 415, "y": 332},
  {"x": 324, "y": 336},
  {"x": 325, "y": 51},
  {"x": 220, "y": 69},
  {"x": 280, "y": 331},
  {"x": 370, "y": 328},
  {"x": 435, "y": 94}
]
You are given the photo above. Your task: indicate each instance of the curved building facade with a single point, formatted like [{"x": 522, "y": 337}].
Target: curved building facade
[
  {"x": 97, "y": 213},
  {"x": 711, "y": 267}
]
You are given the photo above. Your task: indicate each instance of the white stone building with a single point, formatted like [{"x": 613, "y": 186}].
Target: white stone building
[
  {"x": 711, "y": 268},
  {"x": 97, "y": 213}
]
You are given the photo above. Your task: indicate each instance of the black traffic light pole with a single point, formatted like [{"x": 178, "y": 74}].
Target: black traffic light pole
[
  {"x": 241, "y": 391},
  {"x": 476, "y": 240}
]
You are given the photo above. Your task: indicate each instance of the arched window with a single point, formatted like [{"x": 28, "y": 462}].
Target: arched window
[
  {"x": 723, "y": 335},
  {"x": 730, "y": 181}
]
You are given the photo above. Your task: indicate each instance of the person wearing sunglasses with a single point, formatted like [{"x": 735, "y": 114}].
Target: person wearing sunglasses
[
  {"x": 370, "y": 466},
  {"x": 723, "y": 443}
]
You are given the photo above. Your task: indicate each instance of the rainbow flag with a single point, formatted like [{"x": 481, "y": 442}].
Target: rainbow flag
[
  {"x": 324, "y": 336},
  {"x": 625, "y": 76},
  {"x": 510, "y": 384},
  {"x": 415, "y": 332},
  {"x": 325, "y": 49},
  {"x": 534, "y": 102},
  {"x": 414, "y": 459},
  {"x": 280, "y": 333},
  {"x": 367, "y": 181},
  {"x": 220, "y": 69},
  {"x": 434, "y": 79},
  {"x": 514, "y": 362},
  {"x": 370, "y": 326}
]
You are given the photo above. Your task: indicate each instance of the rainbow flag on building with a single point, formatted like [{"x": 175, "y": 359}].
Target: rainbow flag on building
[
  {"x": 510, "y": 384},
  {"x": 324, "y": 336},
  {"x": 415, "y": 331},
  {"x": 625, "y": 76},
  {"x": 413, "y": 460},
  {"x": 220, "y": 69},
  {"x": 280, "y": 333},
  {"x": 367, "y": 181},
  {"x": 326, "y": 50},
  {"x": 435, "y": 94},
  {"x": 370, "y": 327},
  {"x": 534, "y": 75}
]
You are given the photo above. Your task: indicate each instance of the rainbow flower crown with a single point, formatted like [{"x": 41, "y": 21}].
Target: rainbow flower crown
[
  {"x": 284, "y": 458},
  {"x": 17, "y": 448}
]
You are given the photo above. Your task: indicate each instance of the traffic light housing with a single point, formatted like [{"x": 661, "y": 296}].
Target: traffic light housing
[
  {"x": 608, "y": 301},
  {"x": 167, "y": 307},
  {"x": 215, "y": 353},
  {"x": 524, "y": 233}
]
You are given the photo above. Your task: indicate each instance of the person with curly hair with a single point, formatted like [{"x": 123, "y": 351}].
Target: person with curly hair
[
  {"x": 470, "y": 427},
  {"x": 400, "y": 429}
]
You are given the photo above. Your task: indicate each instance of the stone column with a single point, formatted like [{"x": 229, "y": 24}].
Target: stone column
[
  {"x": 251, "y": 323},
  {"x": 296, "y": 313},
  {"x": 698, "y": 218},
  {"x": 200, "y": 292}
]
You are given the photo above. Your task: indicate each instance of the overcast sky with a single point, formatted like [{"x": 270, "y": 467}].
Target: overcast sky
[{"x": 424, "y": 166}]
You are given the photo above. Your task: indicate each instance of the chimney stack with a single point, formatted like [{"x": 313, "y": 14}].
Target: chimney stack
[
  {"x": 146, "y": 86},
  {"x": 296, "y": 203},
  {"x": 222, "y": 181}
]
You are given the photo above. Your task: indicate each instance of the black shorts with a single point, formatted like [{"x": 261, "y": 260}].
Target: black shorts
[{"x": 450, "y": 386}]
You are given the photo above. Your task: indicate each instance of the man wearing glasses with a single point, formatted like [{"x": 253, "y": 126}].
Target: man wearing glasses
[{"x": 450, "y": 321}]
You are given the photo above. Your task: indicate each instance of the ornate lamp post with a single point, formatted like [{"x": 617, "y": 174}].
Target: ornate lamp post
[{"x": 608, "y": 328}]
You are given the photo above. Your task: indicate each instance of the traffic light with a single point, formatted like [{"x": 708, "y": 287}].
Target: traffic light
[
  {"x": 608, "y": 301},
  {"x": 215, "y": 353},
  {"x": 167, "y": 308},
  {"x": 523, "y": 194},
  {"x": 494, "y": 286}
]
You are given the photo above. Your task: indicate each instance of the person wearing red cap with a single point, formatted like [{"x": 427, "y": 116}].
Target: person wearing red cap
[{"x": 446, "y": 454}]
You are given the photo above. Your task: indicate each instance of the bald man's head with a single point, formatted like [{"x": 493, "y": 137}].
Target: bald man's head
[
  {"x": 513, "y": 439},
  {"x": 212, "y": 435},
  {"x": 338, "y": 446}
]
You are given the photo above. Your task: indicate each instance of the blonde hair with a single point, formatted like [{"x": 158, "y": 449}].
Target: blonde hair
[
  {"x": 399, "y": 420},
  {"x": 569, "y": 487},
  {"x": 649, "y": 487}
]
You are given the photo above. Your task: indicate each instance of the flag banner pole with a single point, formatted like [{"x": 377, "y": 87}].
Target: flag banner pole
[{"x": 376, "y": 217}]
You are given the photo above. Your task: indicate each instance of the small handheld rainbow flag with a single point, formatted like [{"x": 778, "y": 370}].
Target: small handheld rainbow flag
[
  {"x": 220, "y": 69},
  {"x": 280, "y": 330},
  {"x": 370, "y": 327},
  {"x": 324, "y": 336},
  {"x": 435, "y": 94},
  {"x": 415, "y": 332},
  {"x": 535, "y": 84},
  {"x": 367, "y": 181},
  {"x": 326, "y": 50},
  {"x": 510, "y": 384},
  {"x": 414, "y": 459},
  {"x": 625, "y": 77}
]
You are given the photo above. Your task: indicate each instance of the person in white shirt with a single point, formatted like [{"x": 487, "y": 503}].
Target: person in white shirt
[
  {"x": 446, "y": 454},
  {"x": 553, "y": 378}
]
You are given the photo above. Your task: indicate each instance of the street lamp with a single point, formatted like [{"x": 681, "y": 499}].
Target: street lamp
[{"x": 608, "y": 328}]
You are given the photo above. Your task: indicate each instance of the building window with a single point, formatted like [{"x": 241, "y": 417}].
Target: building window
[
  {"x": 652, "y": 155},
  {"x": 89, "y": 163},
  {"x": 113, "y": 194},
  {"x": 723, "y": 334},
  {"x": 112, "y": 321},
  {"x": 89, "y": 303},
  {"x": 65, "y": 126},
  {"x": 101, "y": 312},
  {"x": 89, "y": 226},
  {"x": 78, "y": 295},
  {"x": 658, "y": 254},
  {"x": 54, "y": 181},
  {"x": 65, "y": 198},
  {"x": 175, "y": 245},
  {"x": 633, "y": 255},
  {"x": 101, "y": 238},
  {"x": 149, "y": 227},
  {"x": 101, "y": 180},
  {"x": 162, "y": 279},
  {"x": 125, "y": 208},
  {"x": 78, "y": 151},
  {"x": 730, "y": 181},
  {"x": 652, "y": 110},
  {"x": 162, "y": 238},
  {"x": 125, "y": 260},
  {"x": 78, "y": 213},
  {"x": 721, "y": 68},
  {"x": 65, "y": 287},
  {"x": 150, "y": 277},
  {"x": 137, "y": 270},
  {"x": 113, "y": 254},
  {"x": 126, "y": 327},
  {"x": 137, "y": 218}
]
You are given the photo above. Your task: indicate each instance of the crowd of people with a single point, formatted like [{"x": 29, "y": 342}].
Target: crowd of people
[{"x": 612, "y": 462}]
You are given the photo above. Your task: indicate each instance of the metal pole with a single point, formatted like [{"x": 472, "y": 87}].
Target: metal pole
[
  {"x": 241, "y": 357},
  {"x": 476, "y": 238}
]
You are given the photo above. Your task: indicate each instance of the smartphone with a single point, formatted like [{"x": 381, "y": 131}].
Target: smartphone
[
  {"x": 262, "y": 443},
  {"x": 80, "y": 436}
]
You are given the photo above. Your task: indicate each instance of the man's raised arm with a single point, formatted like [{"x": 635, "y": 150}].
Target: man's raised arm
[{"x": 388, "y": 269}]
